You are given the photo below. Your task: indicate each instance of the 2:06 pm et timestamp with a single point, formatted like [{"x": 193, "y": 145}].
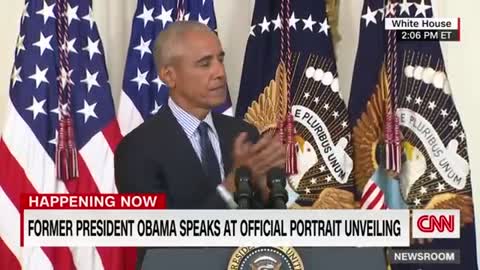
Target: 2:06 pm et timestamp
[{"x": 428, "y": 35}]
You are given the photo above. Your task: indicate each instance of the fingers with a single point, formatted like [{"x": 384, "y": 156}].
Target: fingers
[
  {"x": 241, "y": 150},
  {"x": 273, "y": 156},
  {"x": 264, "y": 141},
  {"x": 240, "y": 141}
]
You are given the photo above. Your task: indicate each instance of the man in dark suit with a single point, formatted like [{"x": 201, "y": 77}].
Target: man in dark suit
[{"x": 186, "y": 151}]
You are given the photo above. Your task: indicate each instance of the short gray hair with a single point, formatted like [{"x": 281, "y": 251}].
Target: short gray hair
[{"x": 167, "y": 40}]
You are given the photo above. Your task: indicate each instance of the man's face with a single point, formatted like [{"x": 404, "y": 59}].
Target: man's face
[{"x": 199, "y": 71}]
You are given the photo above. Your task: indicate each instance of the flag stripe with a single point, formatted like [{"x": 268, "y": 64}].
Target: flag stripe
[
  {"x": 13, "y": 189},
  {"x": 112, "y": 134},
  {"x": 37, "y": 165},
  {"x": 370, "y": 198},
  {"x": 377, "y": 201},
  {"x": 30, "y": 154},
  {"x": 10, "y": 242},
  {"x": 98, "y": 158},
  {"x": 60, "y": 257},
  {"x": 367, "y": 191},
  {"x": 35, "y": 258},
  {"x": 128, "y": 115},
  {"x": 8, "y": 261},
  {"x": 86, "y": 258}
]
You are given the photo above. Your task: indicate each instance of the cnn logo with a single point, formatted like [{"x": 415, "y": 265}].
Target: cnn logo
[{"x": 436, "y": 224}]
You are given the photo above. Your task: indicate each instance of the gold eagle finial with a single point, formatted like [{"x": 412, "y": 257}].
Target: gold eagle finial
[{"x": 271, "y": 105}]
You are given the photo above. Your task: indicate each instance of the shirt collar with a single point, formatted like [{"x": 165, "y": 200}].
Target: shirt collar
[{"x": 189, "y": 122}]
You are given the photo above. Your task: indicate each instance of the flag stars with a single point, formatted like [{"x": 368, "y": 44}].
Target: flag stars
[
  {"x": 326, "y": 106},
  {"x": 306, "y": 95},
  {"x": 20, "y": 47},
  {"x": 443, "y": 113},
  {"x": 328, "y": 179},
  {"x": 405, "y": 7},
  {"x": 308, "y": 23},
  {"x": 182, "y": 16},
  {"x": 417, "y": 202},
  {"x": 72, "y": 14},
  {"x": 381, "y": 10},
  {"x": 141, "y": 79},
  {"x": 55, "y": 139},
  {"x": 165, "y": 16},
  {"x": 423, "y": 190},
  {"x": 43, "y": 43},
  {"x": 92, "y": 47},
  {"x": 292, "y": 22},
  {"x": 324, "y": 27},
  {"x": 313, "y": 181},
  {"x": 39, "y": 76},
  {"x": 391, "y": 9},
  {"x": 440, "y": 187},
  {"x": 433, "y": 176},
  {"x": 37, "y": 108},
  {"x": 88, "y": 111},
  {"x": 418, "y": 101},
  {"x": 25, "y": 12},
  {"x": 65, "y": 77},
  {"x": 89, "y": 17},
  {"x": 335, "y": 114},
  {"x": 307, "y": 191},
  {"x": 316, "y": 100},
  {"x": 454, "y": 124},
  {"x": 144, "y": 47},
  {"x": 71, "y": 45},
  {"x": 16, "y": 76},
  {"x": 432, "y": 105},
  {"x": 408, "y": 98},
  {"x": 47, "y": 12},
  {"x": 202, "y": 20},
  {"x": 277, "y": 23},
  {"x": 252, "y": 33},
  {"x": 156, "y": 108},
  {"x": 146, "y": 16},
  {"x": 322, "y": 168},
  {"x": 159, "y": 83},
  {"x": 422, "y": 8},
  {"x": 90, "y": 80},
  {"x": 461, "y": 136},
  {"x": 62, "y": 107},
  {"x": 369, "y": 16},
  {"x": 344, "y": 124},
  {"x": 264, "y": 25}
]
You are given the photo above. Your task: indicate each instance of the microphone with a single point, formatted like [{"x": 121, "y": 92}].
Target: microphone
[
  {"x": 276, "y": 181},
  {"x": 243, "y": 195}
]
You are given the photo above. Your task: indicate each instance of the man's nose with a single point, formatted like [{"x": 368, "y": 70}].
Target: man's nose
[{"x": 219, "y": 70}]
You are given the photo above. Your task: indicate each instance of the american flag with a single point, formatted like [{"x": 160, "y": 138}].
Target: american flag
[
  {"x": 29, "y": 140},
  {"x": 143, "y": 92}
]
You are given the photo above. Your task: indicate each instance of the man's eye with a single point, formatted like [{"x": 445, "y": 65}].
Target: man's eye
[{"x": 204, "y": 63}]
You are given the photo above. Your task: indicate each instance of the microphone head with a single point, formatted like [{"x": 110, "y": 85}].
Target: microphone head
[
  {"x": 276, "y": 176},
  {"x": 242, "y": 174}
]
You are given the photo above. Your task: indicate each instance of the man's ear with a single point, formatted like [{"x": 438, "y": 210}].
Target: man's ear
[{"x": 168, "y": 76}]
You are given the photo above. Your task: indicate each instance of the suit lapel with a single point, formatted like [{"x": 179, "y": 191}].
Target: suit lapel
[
  {"x": 226, "y": 142},
  {"x": 179, "y": 143}
]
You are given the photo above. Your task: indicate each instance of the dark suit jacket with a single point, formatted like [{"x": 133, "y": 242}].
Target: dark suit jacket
[{"x": 158, "y": 157}]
